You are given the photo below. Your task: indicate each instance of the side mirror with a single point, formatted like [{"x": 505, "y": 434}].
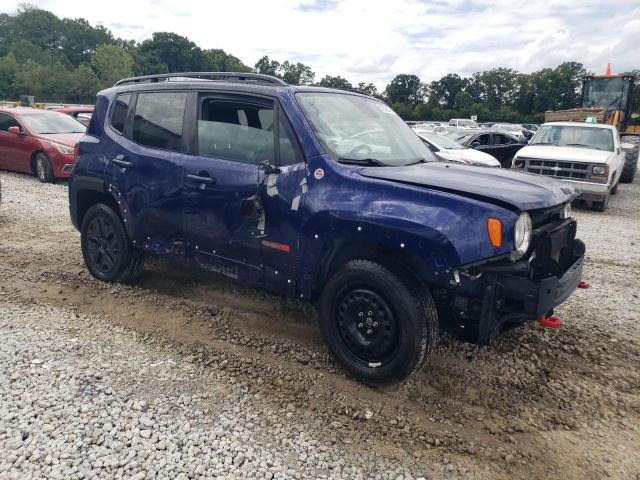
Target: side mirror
[
  {"x": 522, "y": 139},
  {"x": 15, "y": 130},
  {"x": 475, "y": 144}
]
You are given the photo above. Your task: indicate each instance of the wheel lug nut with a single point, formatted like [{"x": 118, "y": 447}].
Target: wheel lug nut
[
  {"x": 369, "y": 332},
  {"x": 360, "y": 325},
  {"x": 360, "y": 314},
  {"x": 375, "y": 324},
  {"x": 369, "y": 313}
]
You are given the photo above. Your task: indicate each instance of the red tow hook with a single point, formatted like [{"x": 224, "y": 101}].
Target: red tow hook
[
  {"x": 584, "y": 284},
  {"x": 552, "y": 321}
]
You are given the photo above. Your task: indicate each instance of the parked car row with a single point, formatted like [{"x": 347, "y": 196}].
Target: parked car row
[
  {"x": 38, "y": 141},
  {"x": 589, "y": 156}
]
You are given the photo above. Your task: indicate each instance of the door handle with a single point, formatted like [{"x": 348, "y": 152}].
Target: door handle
[
  {"x": 121, "y": 162},
  {"x": 200, "y": 179}
]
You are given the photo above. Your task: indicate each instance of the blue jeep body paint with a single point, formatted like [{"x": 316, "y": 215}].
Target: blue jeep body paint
[{"x": 435, "y": 214}]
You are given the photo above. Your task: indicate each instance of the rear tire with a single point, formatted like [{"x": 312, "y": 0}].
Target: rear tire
[
  {"x": 631, "y": 160},
  {"x": 43, "y": 168},
  {"x": 106, "y": 249},
  {"x": 379, "y": 327}
]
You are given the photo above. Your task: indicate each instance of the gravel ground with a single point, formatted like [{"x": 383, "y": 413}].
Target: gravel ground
[{"x": 186, "y": 375}]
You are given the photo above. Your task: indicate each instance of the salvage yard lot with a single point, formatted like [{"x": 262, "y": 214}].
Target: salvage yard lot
[{"x": 188, "y": 374}]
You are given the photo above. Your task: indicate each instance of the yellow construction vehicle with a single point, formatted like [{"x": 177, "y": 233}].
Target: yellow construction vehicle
[{"x": 608, "y": 99}]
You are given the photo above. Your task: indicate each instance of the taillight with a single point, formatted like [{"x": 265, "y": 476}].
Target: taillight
[{"x": 76, "y": 152}]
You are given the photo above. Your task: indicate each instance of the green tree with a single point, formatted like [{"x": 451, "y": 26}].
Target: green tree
[
  {"x": 224, "y": 62},
  {"x": 368, "y": 88},
  {"x": 335, "y": 82},
  {"x": 80, "y": 39},
  {"x": 266, "y": 66},
  {"x": 296, "y": 73},
  {"x": 111, "y": 64},
  {"x": 40, "y": 27},
  {"x": 445, "y": 91},
  {"x": 292, "y": 73},
  {"x": 8, "y": 70},
  {"x": 405, "y": 89},
  {"x": 174, "y": 52},
  {"x": 83, "y": 84}
]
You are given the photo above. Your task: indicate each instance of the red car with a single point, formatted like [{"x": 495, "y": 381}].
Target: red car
[
  {"x": 38, "y": 141},
  {"x": 82, "y": 114}
]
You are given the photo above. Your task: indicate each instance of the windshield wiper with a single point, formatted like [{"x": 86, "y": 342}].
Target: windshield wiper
[
  {"x": 583, "y": 145},
  {"x": 369, "y": 162},
  {"x": 421, "y": 160}
]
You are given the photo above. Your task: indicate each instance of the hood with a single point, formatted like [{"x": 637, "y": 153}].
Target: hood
[
  {"x": 507, "y": 188},
  {"x": 565, "y": 154},
  {"x": 68, "y": 139},
  {"x": 472, "y": 155}
]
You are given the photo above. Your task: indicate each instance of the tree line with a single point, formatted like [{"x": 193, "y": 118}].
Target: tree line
[{"x": 68, "y": 61}]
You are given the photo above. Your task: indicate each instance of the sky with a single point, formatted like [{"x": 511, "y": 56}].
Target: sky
[{"x": 372, "y": 41}]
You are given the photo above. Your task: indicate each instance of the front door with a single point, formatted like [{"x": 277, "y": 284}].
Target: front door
[
  {"x": 14, "y": 149},
  {"x": 243, "y": 190},
  {"x": 505, "y": 149}
]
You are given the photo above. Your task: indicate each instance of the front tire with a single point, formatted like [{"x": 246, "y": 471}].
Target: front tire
[
  {"x": 106, "y": 249},
  {"x": 631, "y": 161},
  {"x": 43, "y": 168},
  {"x": 379, "y": 327}
]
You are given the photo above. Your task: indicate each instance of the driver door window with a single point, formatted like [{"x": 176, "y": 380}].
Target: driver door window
[
  {"x": 483, "y": 140},
  {"x": 236, "y": 131},
  {"x": 7, "y": 121}
]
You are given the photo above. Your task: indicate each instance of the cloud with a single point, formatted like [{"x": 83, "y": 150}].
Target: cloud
[{"x": 368, "y": 41}]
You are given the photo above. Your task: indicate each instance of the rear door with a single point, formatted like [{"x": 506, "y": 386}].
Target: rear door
[{"x": 145, "y": 162}]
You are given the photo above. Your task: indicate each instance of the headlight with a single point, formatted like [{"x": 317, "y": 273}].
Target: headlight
[
  {"x": 522, "y": 236},
  {"x": 64, "y": 149},
  {"x": 599, "y": 170},
  {"x": 566, "y": 211}
]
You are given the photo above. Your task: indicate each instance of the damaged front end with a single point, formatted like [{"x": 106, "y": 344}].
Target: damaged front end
[{"x": 491, "y": 297}]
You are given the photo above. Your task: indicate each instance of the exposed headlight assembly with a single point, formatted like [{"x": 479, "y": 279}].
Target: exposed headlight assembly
[{"x": 522, "y": 235}]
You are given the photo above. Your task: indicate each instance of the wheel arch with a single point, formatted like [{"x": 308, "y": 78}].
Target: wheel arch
[
  {"x": 84, "y": 192},
  {"x": 428, "y": 265}
]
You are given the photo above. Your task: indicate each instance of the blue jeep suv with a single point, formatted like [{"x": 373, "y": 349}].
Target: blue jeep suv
[{"x": 325, "y": 195}]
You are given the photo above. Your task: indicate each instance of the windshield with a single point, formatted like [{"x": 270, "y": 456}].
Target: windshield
[
  {"x": 43, "y": 123},
  {"x": 570, "y": 136},
  {"x": 441, "y": 141},
  {"x": 467, "y": 123},
  {"x": 609, "y": 92},
  {"x": 359, "y": 129},
  {"x": 459, "y": 137}
]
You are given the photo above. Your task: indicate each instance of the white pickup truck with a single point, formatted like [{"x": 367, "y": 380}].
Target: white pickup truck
[{"x": 586, "y": 155}]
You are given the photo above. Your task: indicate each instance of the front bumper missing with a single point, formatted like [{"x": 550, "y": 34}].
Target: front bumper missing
[{"x": 510, "y": 299}]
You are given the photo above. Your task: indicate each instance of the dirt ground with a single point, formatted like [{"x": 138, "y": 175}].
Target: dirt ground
[{"x": 536, "y": 404}]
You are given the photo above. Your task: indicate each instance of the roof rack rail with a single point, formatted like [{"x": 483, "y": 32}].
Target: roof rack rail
[{"x": 257, "y": 78}]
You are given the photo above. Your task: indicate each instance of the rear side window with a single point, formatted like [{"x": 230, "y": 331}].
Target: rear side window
[
  {"x": 236, "y": 130},
  {"x": 158, "y": 120},
  {"x": 7, "y": 121},
  {"x": 119, "y": 114}
]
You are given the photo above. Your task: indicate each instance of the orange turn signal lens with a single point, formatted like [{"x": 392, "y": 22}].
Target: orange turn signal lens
[{"x": 494, "y": 228}]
